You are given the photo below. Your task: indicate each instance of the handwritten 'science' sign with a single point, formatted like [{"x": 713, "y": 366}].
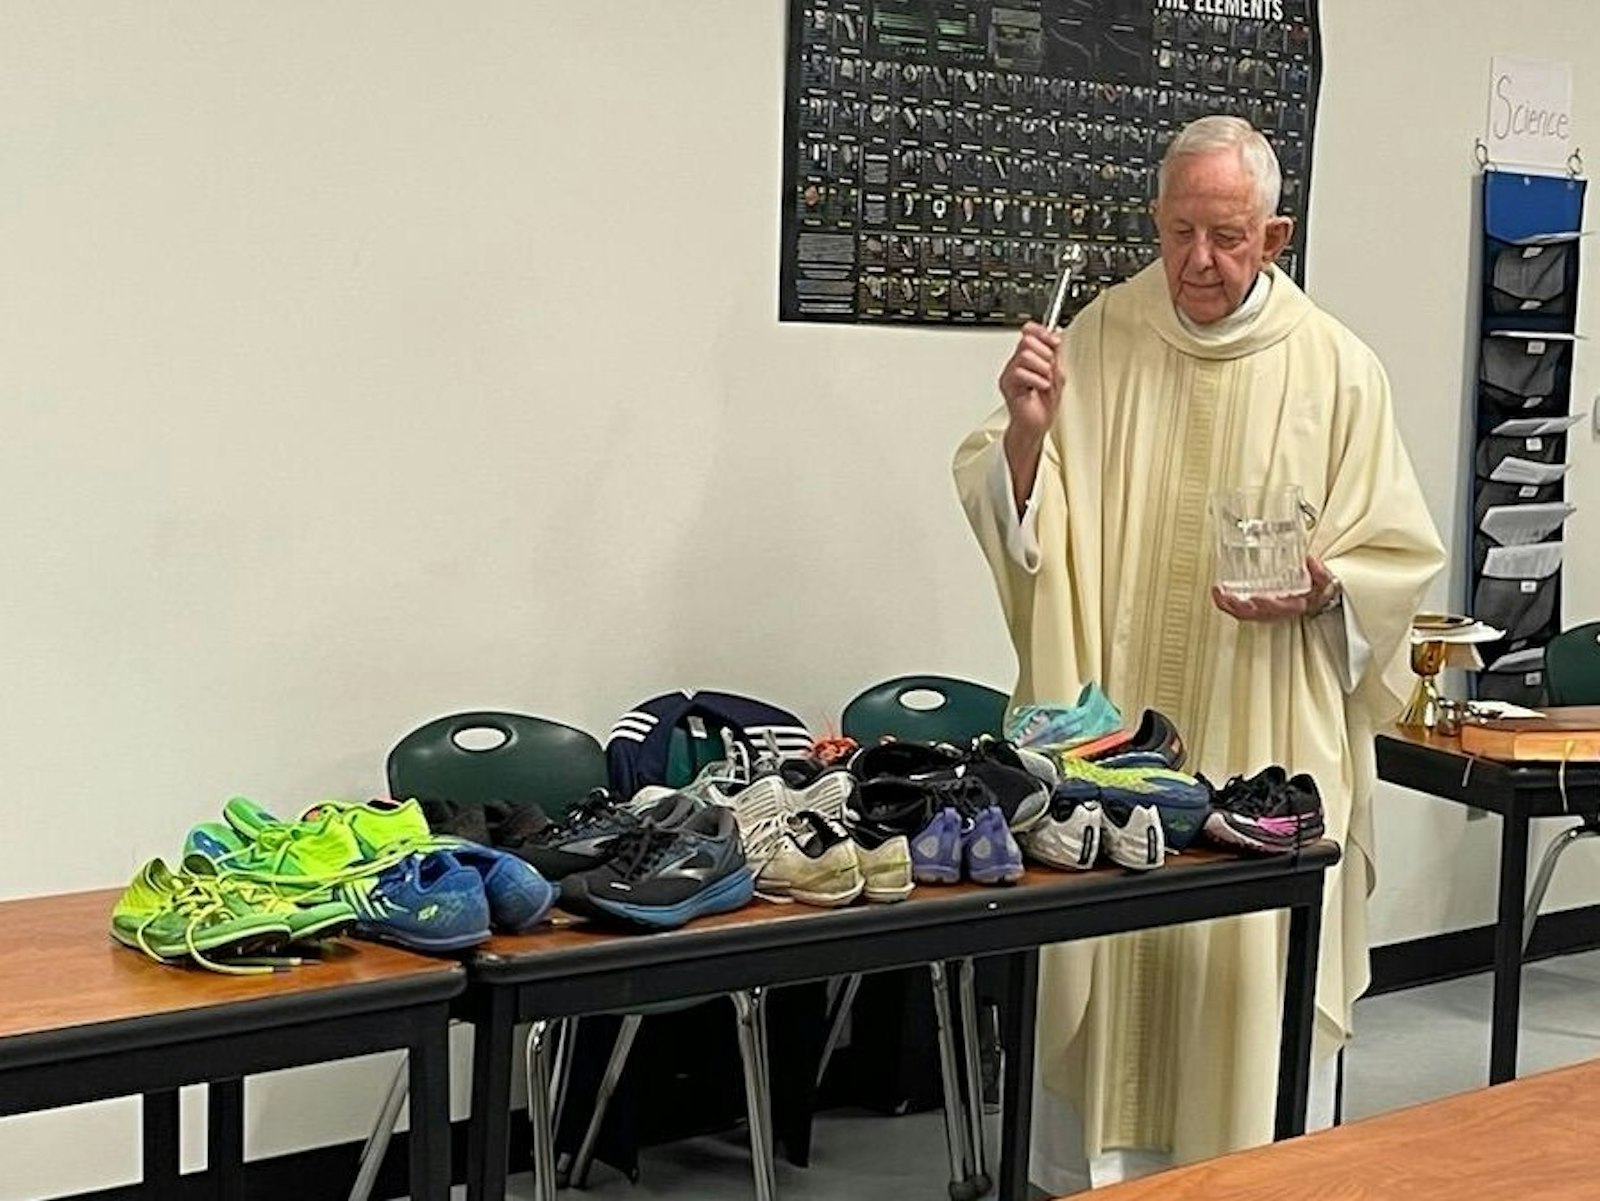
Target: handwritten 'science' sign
[{"x": 1530, "y": 112}]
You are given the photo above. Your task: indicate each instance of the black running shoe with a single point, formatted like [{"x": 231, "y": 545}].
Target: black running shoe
[
  {"x": 1270, "y": 812},
  {"x": 473, "y": 822},
  {"x": 891, "y": 805},
  {"x": 1156, "y": 742},
  {"x": 661, "y": 878},
  {"x": 905, "y": 760},
  {"x": 1023, "y": 797},
  {"x": 581, "y": 840}
]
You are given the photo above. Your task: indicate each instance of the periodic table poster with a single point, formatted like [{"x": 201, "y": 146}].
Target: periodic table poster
[{"x": 938, "y": 152}]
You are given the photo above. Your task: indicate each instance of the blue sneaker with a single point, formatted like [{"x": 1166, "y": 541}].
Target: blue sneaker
[
  {"x": 988, "y": 849},
  {"x": 519, "y": 897},
  {"x": 427, "y": 902},
  {"x": 936, "y": 850},
  {"x": 1181, "y": 800},
  {"x": 1091, "y": 716}
]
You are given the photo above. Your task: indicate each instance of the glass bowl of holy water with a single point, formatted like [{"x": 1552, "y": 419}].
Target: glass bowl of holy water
[{"x": 1261, "y": 540}]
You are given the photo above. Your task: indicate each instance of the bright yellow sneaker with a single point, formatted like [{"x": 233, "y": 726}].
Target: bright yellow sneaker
[{"x": 176, "y": 916}]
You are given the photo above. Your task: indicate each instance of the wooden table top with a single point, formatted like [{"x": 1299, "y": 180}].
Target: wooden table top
[
  {"x": 1450, "y": 743},
  {"x": 1533, "y": 1137},
  {"x": 927, "y": 904},
  {"x": 62, "y": 970}
]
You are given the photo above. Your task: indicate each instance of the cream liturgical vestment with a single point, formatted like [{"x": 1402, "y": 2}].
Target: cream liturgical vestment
[{"x": 1168, "y": 1040}]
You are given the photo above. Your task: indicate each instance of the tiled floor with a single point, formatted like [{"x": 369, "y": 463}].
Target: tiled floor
[{"x": 1410, "y": 1047}]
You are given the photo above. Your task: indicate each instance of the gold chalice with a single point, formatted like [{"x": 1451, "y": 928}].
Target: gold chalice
[{"x": 1427, "y": 660}]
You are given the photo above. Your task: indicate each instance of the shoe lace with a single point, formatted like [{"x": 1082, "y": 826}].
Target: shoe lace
[
  {"x": 640, "y": 849},
  {"x": 967, "y": 795},
  {"x": 198, "y": 900},
  {"x": 597, "y": 808},
  {"x": 270, "y": 859},
  {"x": 1251, "y": 797}
]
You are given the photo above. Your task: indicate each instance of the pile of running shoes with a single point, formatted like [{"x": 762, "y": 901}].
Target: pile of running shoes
[
  {"x": 1121, "y": 794},
  {"x": 256, "y": 893}
]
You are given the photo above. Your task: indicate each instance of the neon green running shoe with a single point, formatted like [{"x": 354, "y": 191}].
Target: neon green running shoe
[
  {"x": 174, "y": 916},
  {"x": 1181, "y": 800},
  {"x": 379, "y": 828},
  {"x": 311, "y": 916},
  {"x": 293, "y": 858}
]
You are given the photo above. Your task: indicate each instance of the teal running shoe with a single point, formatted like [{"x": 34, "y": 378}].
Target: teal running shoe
[{"x": 1059, "y": 726}]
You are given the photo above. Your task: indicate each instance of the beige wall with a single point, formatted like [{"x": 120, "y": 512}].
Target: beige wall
[{"x": 364, "y": 362}]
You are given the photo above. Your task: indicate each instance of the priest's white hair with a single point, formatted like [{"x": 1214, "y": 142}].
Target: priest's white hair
[{"x": 1208, "y": 134}]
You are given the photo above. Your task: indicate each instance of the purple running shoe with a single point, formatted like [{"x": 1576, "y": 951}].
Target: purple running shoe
[{"x": 936, "y": 850}]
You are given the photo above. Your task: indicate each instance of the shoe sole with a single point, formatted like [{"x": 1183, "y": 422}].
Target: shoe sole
[
  {"x": 836, "y": 899},
  {"x": 413, "y": 942},
  {"x": 890, "y": 894},
  {"x": 935, "y": 873},
  {"x": 1088, "y": 852},
  {"x": 319, "y": 931},
  {"x": 729, "y": 893},
  {"x": 1233, "y": 831},
  {"x": 264, "y": 940},
  {"x": 1142, "y": 858},
  {"x": 1006, "y": 873},
  {"x": 499, "y": 920}
]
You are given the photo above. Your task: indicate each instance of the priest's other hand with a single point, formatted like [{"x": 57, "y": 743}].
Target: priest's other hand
[{"x": 1323, "y": 594}]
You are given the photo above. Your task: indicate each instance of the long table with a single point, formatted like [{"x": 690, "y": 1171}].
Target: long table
[
  {"x": 1518, "y": 792},
  {"x": 83, "y": 1019},
  {"x": 573, "y": 969},
  {"x": 1530, "y": 1138}
]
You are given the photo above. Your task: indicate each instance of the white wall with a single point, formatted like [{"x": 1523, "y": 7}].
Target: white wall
[
  {"x": 1392, "y": 253},
  {"x": 365, "y": 362}
]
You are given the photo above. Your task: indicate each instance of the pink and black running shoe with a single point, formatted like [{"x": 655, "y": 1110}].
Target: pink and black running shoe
[{"x": 1269, "y": 813}]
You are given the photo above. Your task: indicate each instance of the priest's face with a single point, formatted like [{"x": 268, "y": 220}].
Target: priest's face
[{"x": 1214, "y": 238}]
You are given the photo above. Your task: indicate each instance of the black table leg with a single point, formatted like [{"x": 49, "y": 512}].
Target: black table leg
[
  {"x": 489, "y": 1133},
  {"x": 429, "y": 1141},
  {"x": 1299, "y": 1019},
  {"x": 225, "y": 1137},
  {"x": 160, "y": 1142},
  {"x": 1508, "y": 944},
  {"x": 1016, "y": 1097}
]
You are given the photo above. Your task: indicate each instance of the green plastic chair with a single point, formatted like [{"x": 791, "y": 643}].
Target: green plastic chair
[
  {"x": 535, "y": 760},
  {"x": 925, "y": 709},
  {"x": 1572, "y": 666},
  {"x": 1571, "y": 677},
  {"x": 931, "y": 708},
  {"x": 524, "y": 760}
]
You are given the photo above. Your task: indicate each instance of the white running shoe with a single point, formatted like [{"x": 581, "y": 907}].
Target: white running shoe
[
  {"x": 1071, "y": 842},
  {"x": 813, "y": 862},
  {"x": 1139, "y": 842},
  {"x": 771, "y": 793},
  {"x": 885, "y": 860}
]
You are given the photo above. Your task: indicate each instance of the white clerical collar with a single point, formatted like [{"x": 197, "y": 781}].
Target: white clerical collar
[{"x": 1249, "y": 308}]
